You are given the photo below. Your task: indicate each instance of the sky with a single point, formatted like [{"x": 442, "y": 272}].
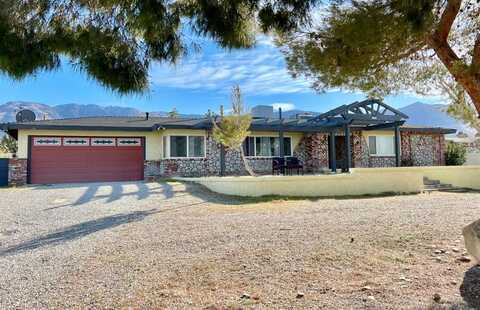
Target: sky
[{"x": 200, "y": 81}]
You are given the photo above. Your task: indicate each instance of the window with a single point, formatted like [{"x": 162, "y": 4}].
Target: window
[
  {"x": 381, "y": 145},
  {"x": 196, "y": 147},
  {"x": 266, "y": 146},
  {"x": 185, "y": 146}
]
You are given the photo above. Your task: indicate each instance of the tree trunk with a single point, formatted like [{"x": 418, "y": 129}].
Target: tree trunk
[
  {"x": 466, "y": 75},
  {"x": 463, "y": 76},
  {"x": 246, "y": 164}
]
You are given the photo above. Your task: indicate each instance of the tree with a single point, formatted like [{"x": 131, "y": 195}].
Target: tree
[
  {"x": 386, "y": 46},
  {"x": 173, "y": 113},
  {"x": 8, "y": 145},
  {"x": 455, "y": 154},
  {"x": 115, "y": 41},
  {"x": 233, "y": 129}
]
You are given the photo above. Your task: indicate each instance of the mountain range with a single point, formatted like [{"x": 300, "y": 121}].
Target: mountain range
[
  {"x": 72, "y": 110},
  {"x": 422, "y": 114}
]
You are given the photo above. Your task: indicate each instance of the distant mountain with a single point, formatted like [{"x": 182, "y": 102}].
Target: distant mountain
[
  {"x": 72, "y": 110},
  {"x": 433, "y": 115},
  {"x": 10, "y": 109},
  {"x": 85, "y": 110}
]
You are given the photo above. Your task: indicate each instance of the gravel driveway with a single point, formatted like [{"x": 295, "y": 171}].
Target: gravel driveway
[{"x": 176, "y": 246}]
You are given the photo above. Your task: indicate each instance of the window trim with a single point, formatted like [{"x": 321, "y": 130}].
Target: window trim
[
  {"x": 264, "y": 136},
  {"x": 167, "y": 148},
  {"x": 381, "y": 155}
]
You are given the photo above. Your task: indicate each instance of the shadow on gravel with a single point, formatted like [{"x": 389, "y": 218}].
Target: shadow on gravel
[
  {"x": 116, "y": 193},
  {"x": 470, "y": 288},
  {"x": 204, "y": 193},
  {"x": 81, "y": 230},
  {"x": 78, "y": 231}
]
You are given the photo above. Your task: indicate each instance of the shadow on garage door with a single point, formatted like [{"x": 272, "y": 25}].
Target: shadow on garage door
[{"x": 3, "y": 171}]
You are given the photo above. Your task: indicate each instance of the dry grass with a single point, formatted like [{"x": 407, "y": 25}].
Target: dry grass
[{"x": 176, "y": 246}]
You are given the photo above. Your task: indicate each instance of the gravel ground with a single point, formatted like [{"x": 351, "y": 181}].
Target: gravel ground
[{"x": 176, "y": 246}]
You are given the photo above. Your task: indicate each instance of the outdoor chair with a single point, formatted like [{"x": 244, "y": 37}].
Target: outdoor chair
[
  {"x": 278, "y": 166},
  {"x": 293, "y": 163}
]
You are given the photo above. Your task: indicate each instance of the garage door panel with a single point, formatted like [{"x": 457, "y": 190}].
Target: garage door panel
[{"x": 64, "y": 164}]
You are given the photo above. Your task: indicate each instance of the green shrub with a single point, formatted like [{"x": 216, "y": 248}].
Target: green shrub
[{"x": 456, "y": 154}]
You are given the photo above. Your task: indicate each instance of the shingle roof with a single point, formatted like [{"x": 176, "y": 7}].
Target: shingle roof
[{"x": 158, "y": 123}]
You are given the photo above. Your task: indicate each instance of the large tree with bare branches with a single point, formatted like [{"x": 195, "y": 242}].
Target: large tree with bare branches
[{"x": 386, "y": 46}]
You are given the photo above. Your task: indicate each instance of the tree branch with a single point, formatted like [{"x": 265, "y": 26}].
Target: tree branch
[
  {"x": 447, "y": 19},
  {"x": 476, "y": 56}
]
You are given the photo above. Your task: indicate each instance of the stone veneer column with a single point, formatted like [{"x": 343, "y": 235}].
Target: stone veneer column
[
  {"x": 313, "y": 151},
  {"x": 17, "y": 172}
]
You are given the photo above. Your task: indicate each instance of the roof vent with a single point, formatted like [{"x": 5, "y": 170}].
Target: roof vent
[
  {"x": 262, "y": 111},
  {"x": 304, "y": 116}
]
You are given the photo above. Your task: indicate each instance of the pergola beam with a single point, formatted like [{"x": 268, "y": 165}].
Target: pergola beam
[{"x": 384, "y": 125}]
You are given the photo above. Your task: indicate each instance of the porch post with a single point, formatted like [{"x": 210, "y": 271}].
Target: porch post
[
  {"x": 398, "y": 161},
  {"x": 280, "y": 135},
  {"x": 332, "y": 153},
  {"x": 222, "y": 160},
  {"x": 348, "y": 149},
  {"x": 222, "y": 151}
]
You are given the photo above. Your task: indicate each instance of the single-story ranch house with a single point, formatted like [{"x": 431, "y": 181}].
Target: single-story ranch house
[{"x": 136, "y": 148}]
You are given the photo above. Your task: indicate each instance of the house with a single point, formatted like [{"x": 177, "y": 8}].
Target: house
[{"x": 135, "y": 148}]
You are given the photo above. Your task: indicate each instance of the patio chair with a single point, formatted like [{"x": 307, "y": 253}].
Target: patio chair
[
  {"x": 278, "y": 166},
  {"x": 293, "y": 163}
]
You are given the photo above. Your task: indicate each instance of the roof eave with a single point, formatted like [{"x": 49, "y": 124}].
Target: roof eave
[{"x": 74, "y": 127}]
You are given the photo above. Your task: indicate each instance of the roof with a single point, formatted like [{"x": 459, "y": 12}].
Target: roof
[
  {"x": 111, "y": 123},
  {"x": 159, "y": 123}
]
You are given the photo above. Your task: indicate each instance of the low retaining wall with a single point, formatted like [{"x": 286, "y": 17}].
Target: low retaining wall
[
  {"x": 361, "y": 181},
  {"x": 368, "y": 182},
  {"x": 458, "y": 176}
]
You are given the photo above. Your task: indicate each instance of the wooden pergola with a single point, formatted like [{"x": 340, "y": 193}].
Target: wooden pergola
[{"x": 370, "y": 114}]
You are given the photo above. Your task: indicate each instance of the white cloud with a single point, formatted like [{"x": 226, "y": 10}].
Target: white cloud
[
  {"x": 285, "y": 106},
  {"x": 258, "y": 71}
]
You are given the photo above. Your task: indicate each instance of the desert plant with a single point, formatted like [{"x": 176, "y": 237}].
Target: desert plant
[
  {"x": 8, "y": 145},
  {"x": 455, "y": 154},
  {"x": 233, "y": 129}
]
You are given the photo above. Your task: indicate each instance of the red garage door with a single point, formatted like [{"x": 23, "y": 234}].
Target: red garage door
[{"x": 85, "y": 159}]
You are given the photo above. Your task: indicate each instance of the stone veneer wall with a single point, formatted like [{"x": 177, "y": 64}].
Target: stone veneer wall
[
  {"x": 208, "y": 166},
  {"x": 418, "y": 149},
  {"x": 17, "y": 172},
  {"x": 423, "y": 149}
]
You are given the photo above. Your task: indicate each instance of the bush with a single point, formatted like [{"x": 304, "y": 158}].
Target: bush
[
  {"x": 456, "y": 154},
  {"x": 8, "y": 145}
]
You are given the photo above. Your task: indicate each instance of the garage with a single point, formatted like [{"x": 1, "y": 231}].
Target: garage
[{"x": 59, "y": 159}]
